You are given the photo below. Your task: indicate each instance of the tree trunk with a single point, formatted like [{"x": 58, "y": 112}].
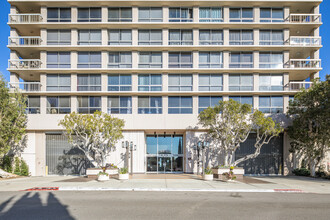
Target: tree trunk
[{"x": 313, "y": 167}]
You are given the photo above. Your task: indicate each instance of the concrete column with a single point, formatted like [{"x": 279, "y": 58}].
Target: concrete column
[
  {"x": 104, "y": 59},
  {"x": 195, "y": 55},
  {"x": 104, "y": 104},
  {"x": 43, "y": 105},
  {"x": 104, "y": 37},
  {"x": 135, "y": 37},
  {"x": 14, "y": 33},
  {"x": 195, "y": 37},
  {"x": 104, "y": 82},
  {"x": 165, "y": 82},
  {"x": 74, "y": 59},
  {"x": 43, "y": 82},
  {"x": 195, "y": 14},
  {"x": 256, "y": 33},
  {"x": 74, "y": 82},
  {"x": 195, "y": 82},
  {"x": 74, "y": 37},
  {"x": 287, "y": 156},
  {"x": 135, "y": 14},
  {"x": 225, "y": 14},
  {"x": 74, "y": 104},
  {"x": 43, "y": 35},
  {"x": 286, "y": 35},
  {"x": 165, "y": 36},
  {"x": 13, "y": 55},
  {"x": 104, "y": 13},
  {"x": 255, "y": 102},
  {"x": 165, "y": 105},
  {"x": 40, "y": 154},
  {"x": 256, "y": 14},
  {"x": 286, "y": 57},
  {"x": 43, "y": 59},
  {"x": 43, "y": 12},
  {"x": 195, "y": 104},
  {"x": 135, "y": 105},
  {"x": 256, "y": 59},
  {"x": 165, "y": 59},
  {"x": 74, "y": 14},
  {"x": 225, "y": 81},
  {"x": 135, "y": 82},
  {"x": 286, "y": 81},
  {"x": 135, "y": 59},
  {"x": 226, "y": 59},
  {"x": 14, "y": 78},
  {"x": 255, "y": 82},
  {"x": 285, "y": 103},
  {"x": 286, "y": 13},
  {"x": 226, "y": 36},
  {"x": 166, "y": 12},
  {"x": 13, "y": 10}
]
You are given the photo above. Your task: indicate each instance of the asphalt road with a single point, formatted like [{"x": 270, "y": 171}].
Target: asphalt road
[{"x": 162, "y": 205}]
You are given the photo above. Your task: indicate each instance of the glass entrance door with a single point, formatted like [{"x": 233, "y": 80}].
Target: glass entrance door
[{"x": 164, "y": 153}]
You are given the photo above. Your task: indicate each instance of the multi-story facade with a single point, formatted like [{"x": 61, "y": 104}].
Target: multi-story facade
[{"x": 157, "y": 64}]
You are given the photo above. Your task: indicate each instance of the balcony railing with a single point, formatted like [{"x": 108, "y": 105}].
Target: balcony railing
[
  {"x": 305, "y": 63},
  {"x": 24, "y": 64},
  {"x": 305, "y": 41},
  {"x": 26, "y": 86},
  {"x": 24, "y": 41},
  {"x": 24, "y": 18},
  {"x": 296, "y": 86},
  {"x": 305, "y": 18}
]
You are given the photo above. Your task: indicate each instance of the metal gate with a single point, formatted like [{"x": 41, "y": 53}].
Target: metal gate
[
  {"x": 62, "y": 159},
  {"x": 270, "y": 160}
]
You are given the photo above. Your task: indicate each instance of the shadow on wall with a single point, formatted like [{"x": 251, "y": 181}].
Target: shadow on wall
[{"x": 29, "y": 206}]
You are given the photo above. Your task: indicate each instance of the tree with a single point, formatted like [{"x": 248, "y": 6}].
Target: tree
[
  {"x": 95, "y": 134},
  {"x": 310, "y": 129},
  {"x": 229, "y": 124}
]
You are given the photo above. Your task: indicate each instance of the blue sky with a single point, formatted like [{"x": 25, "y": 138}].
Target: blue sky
[{"x": 4, "y": 33}]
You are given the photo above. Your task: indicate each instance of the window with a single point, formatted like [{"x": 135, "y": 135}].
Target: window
[
  {"x": 89, "y": 15},
  {"x": 58, "y": 60},
  {"x": 210, "y": 37},
  {"x": 149, "y": 105},
  {"x": 150, "y": 37},
  {"x": 271, "y": 37},
  {"x": 210, "y": 59},
  {"x": 150, "y": 15},
  {"x": 89, "y": 37},
  {"x": 180, "y": 60},
  {"x": 273, "y": 60},
  {"x": 207, "y": 101},
  {"x": 150, "y": 82},
  {"x": 240, "y": 82},
  {"x": 58, "y": 105},
  {"x": 241, "y": 15},
  {"x": 119, "y": 105},
  {"x": 243, "y": 99},
  {"x": 58, "y": 14},
  {"x": 210, "y": 15},
  {"x": 150, "y": 60},
  {"x": 180, "y": 37},
  {"x": 181, "y": 15},
  {"x": 241, "y": 37},
  {"x": 180, "y": 82},
  {"x": 120, "y": 60},
  {"x": 89, "y": 60},
  {"x": 89, "y": 104},
  {"x": 180, "y": 105},
  {"x": 58, "y": 37},
  {"x": 241, "y": 60},
  {"x": 271, "y": 104},
  {"x": 58, "y": 82},
  {"x": 271, "y": 15},
  {"x": 120, "y": 37},
  {"x": 33, "y": 105},
  {"x": 270, "y": 82},
  {"x": 120, "y": 82},
  {"x": 89, "y": 82},
  {"x": 120, "y": 14},
  {"x": 210, "y": 82}
]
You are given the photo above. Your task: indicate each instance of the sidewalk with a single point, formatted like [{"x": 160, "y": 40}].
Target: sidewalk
[{"x": 265, "y": 184}]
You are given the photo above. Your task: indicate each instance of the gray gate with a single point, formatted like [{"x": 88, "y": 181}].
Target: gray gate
[
  {"x": 270, "y": 160},
  {"x": 62, "y": 159}
]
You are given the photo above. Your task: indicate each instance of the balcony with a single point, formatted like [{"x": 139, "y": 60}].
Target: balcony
[
  {"x": 24, "y": 64},
  {"x": 296, "y": 86},
  {"x": 24, "y": 18},
  {"x": 26, "y": 86},
  {"x": 305, "y": 63},
  {"x": 305, "y": 41},
  {"x": 305, "y": 18},
  {"x": 24, "y": 41}
]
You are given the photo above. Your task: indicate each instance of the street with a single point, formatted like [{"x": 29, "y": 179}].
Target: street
[{"x": 162, "y": 205}]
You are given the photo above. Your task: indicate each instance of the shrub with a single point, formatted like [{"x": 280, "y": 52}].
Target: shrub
[
  {"x": 208, "y": 171},
  {"x": 301, "y": 172},
  {"x": 7, "y": 164},
  {"x": 24, "y": 168},
  {"x": 123, "y": 170},
  {"x": 17, "y": 170}
]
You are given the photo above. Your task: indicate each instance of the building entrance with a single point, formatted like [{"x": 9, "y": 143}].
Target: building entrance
[{"x": 164, "y": 154}]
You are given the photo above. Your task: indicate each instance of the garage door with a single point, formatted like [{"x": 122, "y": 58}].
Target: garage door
[
  {"x": 62, "y": 159},
  {"x": 270, "y": 160}
]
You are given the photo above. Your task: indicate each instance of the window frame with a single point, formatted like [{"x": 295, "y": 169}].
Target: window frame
[
  {"x": 120, "y": 109},
  {"x": 202, "y": 108},
  {"x": 271, "y": 64},
  {"x": 89, "y": 64},
  {"x": 180, "y": 86},
  {"x": 271, "y": 41},
  {"x": 32, "y": 109},
  {"x": 241, "y": 85},
  {"x": 89, "y": 86},
  {"x": 189, "y": 17},
  {"x": 272, "y": 109},
  {"x": 150, "y": 19},
  {"x": 241, "y": 64},
  {"x": 59, "y": 19},
  {"x": 271, "y": 19},
  {"x": 180, "y": 41},
  {"x": 178, "y": 109},
  {"x": 90, "y": 18},
  {"x": 270, "y": 86},
  {"x": 210, "y": 41},
  {"x": 150, "y": 41},
  {"x": 150, "y": 109},
  {"x": 209, "y": 85},
  {"x": 241, "y": 41},
  {"x": 89, "y": 41},
  {"x": 120, "y": 41},
  {"x": 120, "y": 65},
  {"x": 241, "y": 19},
  {"x": 90, "y": 109},
  {"x": 121, "y": 86},
  {"x": 210, "y": 64},
  {"x": 120, "y": 13},
  {"x": 58, "y": 64},
  {"x": 58, "y": 109},
  {"x": 59, "y": 84},
  {"x": 58, "y": 32},
  {"x": 150, "y": 86},
  {"x": 150, "y": 63},
  {"x": 180, "y": 64},
  {"x": 210, "y": 19}
]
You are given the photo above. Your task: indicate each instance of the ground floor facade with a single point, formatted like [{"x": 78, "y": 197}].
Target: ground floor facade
[{"x": 49, "y": 153}]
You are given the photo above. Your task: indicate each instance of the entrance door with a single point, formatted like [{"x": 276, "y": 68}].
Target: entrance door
[{"x": 164, "y": 153}]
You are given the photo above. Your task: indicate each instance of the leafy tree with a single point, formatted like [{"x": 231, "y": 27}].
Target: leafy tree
[
  {"x": 95, "y": 134},
  {"x": 229, "y": 124},
  {"x": 310, "y": 129}
]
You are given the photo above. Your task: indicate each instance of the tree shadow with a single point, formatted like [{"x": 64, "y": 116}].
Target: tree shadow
[{"x": 29, "y": 206}]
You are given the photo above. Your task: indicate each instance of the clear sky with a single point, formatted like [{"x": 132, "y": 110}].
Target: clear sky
[{"x": 4, "y": 33}]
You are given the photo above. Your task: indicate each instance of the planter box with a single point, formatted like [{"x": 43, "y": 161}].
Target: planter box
[
  {"x": 95, "y": 171},
  {"x": 208, "y": 177},
  {"x": 238, "y": 172},
  {"x": 103, "y": 178},
  {"x": 124, "y": 176}
]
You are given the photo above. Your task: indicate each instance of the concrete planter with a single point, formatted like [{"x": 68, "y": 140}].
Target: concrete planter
[
  {"x": 220, "y": 171},
  {"x": 124, "y": 176},
  {"x": 238, "y": 172},
  {"x": 103, "y": 177},
  {"x": 95, "y": 171},
  {"x": 208, "y": 177}
]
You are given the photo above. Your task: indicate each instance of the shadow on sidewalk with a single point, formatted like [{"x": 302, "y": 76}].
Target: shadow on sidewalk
[{"x": 29, "y": 206}]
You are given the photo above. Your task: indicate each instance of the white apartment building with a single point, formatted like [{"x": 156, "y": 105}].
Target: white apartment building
[{"x": 157, "y": 64}]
